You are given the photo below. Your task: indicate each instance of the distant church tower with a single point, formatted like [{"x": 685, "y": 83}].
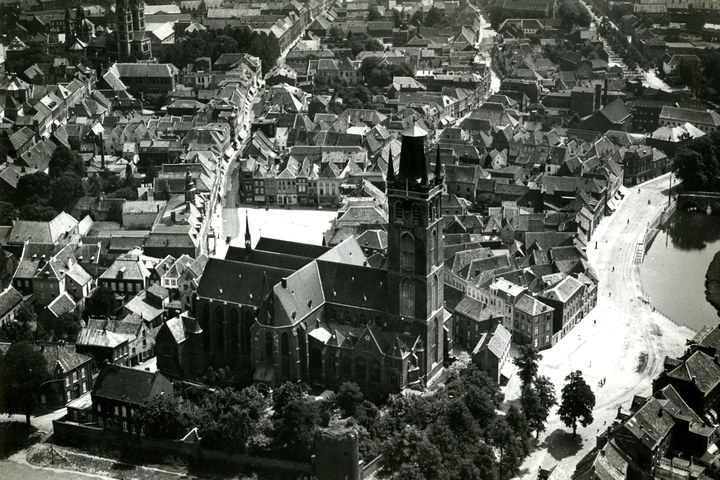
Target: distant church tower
[
  {"x": 130, "y": 38},
  {"x": 248, "y": 239},
  {"x": 415, "y": 250}
]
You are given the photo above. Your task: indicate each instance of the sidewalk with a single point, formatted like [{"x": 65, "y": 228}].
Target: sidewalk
[{"x": 621, "y": 340}]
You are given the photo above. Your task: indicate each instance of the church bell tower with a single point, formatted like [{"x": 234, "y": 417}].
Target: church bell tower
[{"x": 415, "y": 249}]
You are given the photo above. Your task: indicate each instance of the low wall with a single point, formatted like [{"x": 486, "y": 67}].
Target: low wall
[
  {"x": 654, "y": 226},
  {"x": 78, "y": 435}
]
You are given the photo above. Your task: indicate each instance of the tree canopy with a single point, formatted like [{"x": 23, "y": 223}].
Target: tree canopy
[
  {"x": 64, "y": 160},
  {"x": 573, "y": 15},
  {"x": 215, "y": 42},
  {"x": 537, "y": 400},
  {"x": 578, "y": 401},
  {"x": 101, "y": 302},
  {"x": 697, "y": 163},
  {"x": 527, "y": 362},
  {"x": 23, "y": 369}
]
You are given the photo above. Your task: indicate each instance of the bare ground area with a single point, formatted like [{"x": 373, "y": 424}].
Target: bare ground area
[{"x": 622, "y": 340}]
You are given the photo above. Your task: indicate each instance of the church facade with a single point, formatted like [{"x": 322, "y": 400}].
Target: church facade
[
  {"x": 131, "y": 40},
  {"x": 327, "y": 317}
]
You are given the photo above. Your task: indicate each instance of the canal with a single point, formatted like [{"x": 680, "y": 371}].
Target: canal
[{"x": 673, "y": 273}]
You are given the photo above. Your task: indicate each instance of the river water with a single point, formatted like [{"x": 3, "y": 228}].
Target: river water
[{"x": 673, "y": 273}]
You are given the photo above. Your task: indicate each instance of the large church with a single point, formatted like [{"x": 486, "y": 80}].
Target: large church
[{"x": 288, "y": 311}]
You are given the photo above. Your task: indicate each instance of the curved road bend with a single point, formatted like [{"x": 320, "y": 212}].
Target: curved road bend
[{"x": 609, "y": 342}]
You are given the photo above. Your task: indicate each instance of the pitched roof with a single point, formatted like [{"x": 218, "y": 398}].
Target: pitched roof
[
  {"x": 237, "y": 282},
  {"x": 62, "y": 357},
  {"x": 130, "y": 385}
]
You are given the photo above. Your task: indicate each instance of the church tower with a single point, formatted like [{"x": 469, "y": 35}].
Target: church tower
[
  {"x": 130, "y": 38},
  {"x": 415, "y": 250},
  {"x": 248, "y": 239}
]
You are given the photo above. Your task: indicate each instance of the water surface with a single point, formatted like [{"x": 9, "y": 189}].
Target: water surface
[{"x": 673, "y": 273}]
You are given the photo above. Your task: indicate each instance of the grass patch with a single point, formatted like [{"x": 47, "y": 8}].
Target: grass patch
[
  {"x": 14, "y": 436},
  {"x": 641, "y": 362}
]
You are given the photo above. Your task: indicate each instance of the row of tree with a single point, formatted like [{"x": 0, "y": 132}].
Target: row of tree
[
  {"x": 454, "y": 433},
  {"x": 355, "y": 42},
  {"x": 40, "y": 196},
  {"x": 215, "y": 42},
  {"x": 537, "y": 395}
]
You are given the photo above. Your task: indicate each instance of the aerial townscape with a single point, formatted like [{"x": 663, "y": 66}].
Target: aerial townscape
[{"x": 360, "y": 239}]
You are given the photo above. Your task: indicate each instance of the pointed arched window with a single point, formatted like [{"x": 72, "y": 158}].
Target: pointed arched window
[
  {"x": 407, "y": 298},
  {"x": 407, "y": 252}
]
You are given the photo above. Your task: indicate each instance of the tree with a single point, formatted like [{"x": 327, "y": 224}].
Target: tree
[
  {"x": 295, "y": 431},
  {"x": 694, "y": 169},
  {"x": 67, "y": 188},
  {"x": 23, "y": 370},
  {"x": 8, "y": 213},
  {"x": 38, "y": 212},
  {"x": 397, "y": 19},
  {"x": 101, "y": 302},
  {"x": 161, "y": 418},
  {"x": 228, "y": 417},
  {"x": 578, "y": 401},
  {"x": 374, "y": 14},
  {"x": 537, "y": 400},
  {"x": 21, "y": 329},
  {"x": 572, "y": 15},
  {"x": 504, "y": 439},
  {"x": 411, "y": 455},
  {"x": 285, "y": 394},
  {"x": 527, "y": 363},
  {"x": 348, "y": 398},
  {"x": 435, "y": 18},
  {"x": 115, "y": 213},
  {"x": 64, "y": 160},
  {"x": 519, "y": 424},
  {"x": 65, "y": 327},
  {"x": 33, "y": 188}
]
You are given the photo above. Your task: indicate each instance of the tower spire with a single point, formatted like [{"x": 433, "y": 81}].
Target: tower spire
[
  {"x": 391, "y": 168},
  {"x": 248, "y": 240}
]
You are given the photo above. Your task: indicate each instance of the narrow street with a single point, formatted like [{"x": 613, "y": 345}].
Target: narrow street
[{"x": 609, "y": 342}]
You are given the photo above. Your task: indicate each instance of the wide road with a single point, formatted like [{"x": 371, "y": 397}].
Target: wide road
[
  {"x": 21, "y": 471},
  {"x": 609, "y": 342}
]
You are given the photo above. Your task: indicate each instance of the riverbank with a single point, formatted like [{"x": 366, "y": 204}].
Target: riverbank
[
  {"x": 622, "y": 340},
  {"x": 712, "y": 283}
]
